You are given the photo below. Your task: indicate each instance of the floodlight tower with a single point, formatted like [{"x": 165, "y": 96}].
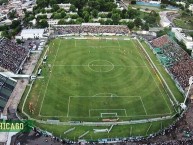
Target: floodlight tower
[
  {"x": 49, "y": 20},
  {"x": 183, "y": 105}
]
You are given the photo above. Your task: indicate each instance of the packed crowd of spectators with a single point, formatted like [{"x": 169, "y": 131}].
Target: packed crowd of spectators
[
  {"x": 160, "y": 41},
  {"x": 11, "y": 55},
  {"x": 78, "y": 29},
  {"x": 181, "y": 63}
]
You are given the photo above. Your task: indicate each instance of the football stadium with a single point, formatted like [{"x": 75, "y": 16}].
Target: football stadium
[
  {"x": 92, "y": 87},
  {"x": 96, "y": 72}
]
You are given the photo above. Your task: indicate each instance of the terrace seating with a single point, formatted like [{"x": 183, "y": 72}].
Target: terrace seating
[
  {"x": 78, "y": 29},
  {"x": 159, "y": 42},
  {"x": 181, "y": 66},
  {"x": 6, "y": 87},
  {"x": 11, "y": 55}
]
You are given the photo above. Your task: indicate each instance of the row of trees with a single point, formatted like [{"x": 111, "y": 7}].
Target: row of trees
[
  {"x": 100, "y": 5},
  {"x": 3, "y": 2},
  {"x": 12, "y": 30}
]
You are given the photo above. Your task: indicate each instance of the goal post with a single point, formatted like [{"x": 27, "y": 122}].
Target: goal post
[
  {"x": 103, "y": 115},
  {"x": 107, "y": 113}
]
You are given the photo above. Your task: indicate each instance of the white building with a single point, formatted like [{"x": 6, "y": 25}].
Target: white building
[
  {"x": 31, "y": 33},
  {"x": 182, "y": 3},
  {"x": 41, "y": 14},
  {"x": 52, "y": 22},
  {"x": 65, "y": 6},
  {"x": 34, "y": 21},
  {"x": 6, "y": 22},
  {"x": 191, "y": 7},
  {"x": 155, "y": 2},
  {"x": 183, "y": 37}
]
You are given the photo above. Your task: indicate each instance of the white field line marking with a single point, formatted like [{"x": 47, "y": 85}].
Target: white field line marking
[
  {"x": 68, "y": 107},
  {"x": 104, "y": 96},
  {"x": 38, "y": 96},
  {"x": 152, "y": 115},
  {"x": 125, "y": 112},
  {"x": 153, "y": 77},
  {"x": 159, "y": 74},
  {"x": 143, "y": 106},
  {"x": 157, "y": 83},
  {"x": 47, "y": 50},
  {"x": 108, "y": 109},
  {"x": 92, "y": 46},
  {"x": 118, "y": 43},
  {"x": 49, "y": 78},
  {"x": 110, "y": 113},
  {"x": 96, "y": 65}
]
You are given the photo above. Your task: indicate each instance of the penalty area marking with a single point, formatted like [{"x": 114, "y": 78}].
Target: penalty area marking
[
  {"x": 68, "y": 107},
  {"x": 114, "y": 111},
  {"x": 110, "y": 95},
  {"x": 143, "y": 105}
]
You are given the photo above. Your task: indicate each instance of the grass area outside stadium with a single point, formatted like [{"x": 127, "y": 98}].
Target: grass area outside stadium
[{"x": 89, "y": 80}]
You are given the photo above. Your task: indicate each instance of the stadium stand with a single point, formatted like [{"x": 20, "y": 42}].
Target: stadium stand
[
  {"x": 159, "y": 42},
  {"x": 99, "y": 29},
  {"x": 179, "y": 63},
  {"x": 7, "y": 86},
  {"x": 12, "y": 55}
]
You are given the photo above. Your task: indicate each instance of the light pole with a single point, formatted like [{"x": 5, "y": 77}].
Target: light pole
[{"x": 183, "y": 105}]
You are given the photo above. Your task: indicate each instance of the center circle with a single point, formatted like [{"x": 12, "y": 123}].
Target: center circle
[{"x": 101, "y": 66}]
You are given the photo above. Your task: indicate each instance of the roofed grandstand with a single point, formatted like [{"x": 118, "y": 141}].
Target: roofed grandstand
[
  {"x": 179, "y": 63},
  {"x": 93, "y": 29},
  {"x": 12, "y": 55},
  {"x": 7, "y": 85}
]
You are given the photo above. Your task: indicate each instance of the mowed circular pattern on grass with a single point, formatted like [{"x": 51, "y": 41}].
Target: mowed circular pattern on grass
[{"x": 82, "y": 71}]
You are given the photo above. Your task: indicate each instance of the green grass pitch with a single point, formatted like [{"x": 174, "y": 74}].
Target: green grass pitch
[{"x": 93, "y": 79}]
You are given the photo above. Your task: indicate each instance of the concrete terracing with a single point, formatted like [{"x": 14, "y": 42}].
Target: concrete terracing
[{"x": 21, "y": 84}]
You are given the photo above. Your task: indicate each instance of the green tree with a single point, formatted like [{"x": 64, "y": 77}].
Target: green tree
[
  {"x": 133, "y": 2},
  {"x": 145, "y": 27},
  {"x": 115, "y": 17},
  {"x": 86, "y": 17},
  {"x": 63, "y": 14},
  {"x": 15, "y": 23},
  {"x": 130, "y": 25},
  {"x": 138, "y": 22},
  {"x": 6, "y": 34},
  {"x": 150, "y": 19},
  {"x": 42, "y": 3},
  {"x": 162, "y": 6},
  {"x": 108, "y": 22},
  {"x": 61, "y": 22},
  {"x": 12, "y": 14},
  {"x": 55, "y": 7},
  {"x": 79, "y": 20},
  {"x": 72, "y": 8},
  {"x": 131, "y": 13},
  {"x": 19, "y": 41},
  {"x": 3, "y": 2},
  {"x": 52, "y": 2},
  {"x": 42, "y": 24},
  {"x": 95, "y": 13}
]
